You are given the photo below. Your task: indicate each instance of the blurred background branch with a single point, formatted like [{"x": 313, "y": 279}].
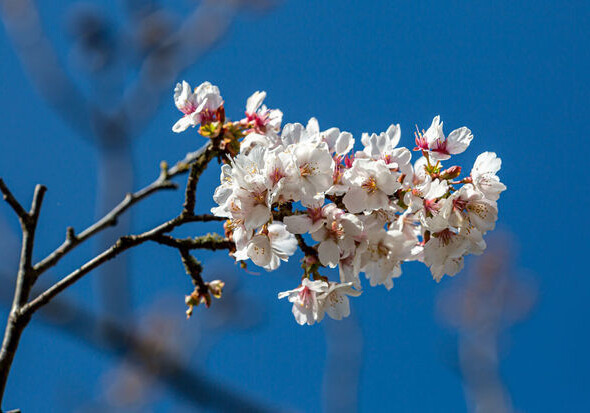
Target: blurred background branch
[
  {"x": 152, "y": 42},
  {"x": 157, "y": 355},
  {"x": 492, "y": 296},
  {"x": 123, "y": 70}
]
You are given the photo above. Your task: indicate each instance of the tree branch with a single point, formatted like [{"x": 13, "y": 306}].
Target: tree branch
[
  {"x": 307, "y": 250},
  {"x": 193, "y": 268},
  {"x": 14, "y": 204},
  {"x": 205, "y": 218},
  {"x": 122, "y": 244},
  {"x": 25, "y": 278},
  {"x": 110, "y": 219},
  {"x": 163, "y": 182},
  {"x": 211, "y": 242},
  {"x": 201, "y": 158},
  {"x": 197, "y": 169},
  {"x": 109, "y": 335}
]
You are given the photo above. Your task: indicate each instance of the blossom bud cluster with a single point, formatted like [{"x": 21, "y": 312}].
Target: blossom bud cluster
[{"x": 363, "y": 212}]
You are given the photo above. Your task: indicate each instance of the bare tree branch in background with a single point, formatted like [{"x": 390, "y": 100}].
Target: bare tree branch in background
[
  {"x": 344, "y": 359},
  {"x": 144, "y": 350},
  {"x": 164, "y": 45},
  {"x": 493, "y": 297},
  {"x": 23, "y": 306}
]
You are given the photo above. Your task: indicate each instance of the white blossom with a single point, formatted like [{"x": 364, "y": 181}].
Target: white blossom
[
  {"x": 367, "y": 211},
  {"x": 371, "y": 182},
  {"x": 263, "y": 120},
  {"x": 468, "y": 207},
  {"x": 313, "y": 171},
  {"x": 334, "y": 301},
  {"x": 444, "y": 252},
  {"x": 381, "y": 260},
  {"x": 306, "y": 308},
  {"x": 484, "y": 175},
  {"x": 441, "y": 147},
  {"x": 198, "y": 106},
  {"x": 272, "y": 246},
  {"x": 337, "y": 236}
]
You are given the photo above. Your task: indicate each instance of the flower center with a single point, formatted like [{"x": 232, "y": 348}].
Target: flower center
[
  {"x": 305, "y": 297},
  {"x": 459, "y": 204},
  {"x": 445, "y": 236},
  {"x": 276, "y": 175},
  {"x": 370, "y": 185},
  {"x": 335, "y": 230},
  {"x": 306, "y": 170}
]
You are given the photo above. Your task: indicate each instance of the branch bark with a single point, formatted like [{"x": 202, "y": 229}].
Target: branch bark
[
  {"x": 202, "y": 158},
  {"x": 22, "y": 309},
  {"x": 163, "y": 182},
  {"x": 25, "y": 278}
]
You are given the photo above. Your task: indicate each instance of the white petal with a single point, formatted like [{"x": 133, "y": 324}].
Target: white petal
[
  {"x": 329, "y": 253},
  {"x": 298, "y": 224},
  {"x": 312, "y": 127},
  {"x": 339, "y": 306},
  {"x": 302, "y": 315},
  {"x": 355, "y": 200},
  {"x": 344, "y": 143},
  {"x": 393, "y": 133},
  {"x": 182, "y": 124},
  {"x": 257, "y": 217},
  {"x": 259, "y": 250},
  {"x": 255, "y": 101},
  {"x": 459, "y": 140},
  {"x": 387, "y": 182}
]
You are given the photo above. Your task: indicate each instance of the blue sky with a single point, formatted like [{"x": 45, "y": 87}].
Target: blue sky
[{"x": 514, "y": 72}]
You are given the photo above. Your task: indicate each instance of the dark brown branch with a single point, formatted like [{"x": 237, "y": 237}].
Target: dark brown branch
[
  {"x": 197, "y": 169},
  {"x": 110, "y": 219},
  {"x": 14, "y": 204},
  {"x": 205, "y": 218},
  {"x": 204, "y": 156},
  {"x": 211, "y": 242},
  {"x": 190, "y": 158},
  {"x": 25, "y": 278},
  {"x": 104, "y": 334},
  {"x": 193, "y": 268},
  {"x": 307, "y": 250},
  {"x": 123, "y": 244},
  {"x": 163, "y": 182}
]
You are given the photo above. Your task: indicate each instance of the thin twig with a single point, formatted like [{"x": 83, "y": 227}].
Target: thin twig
[
  {"x": 110, "y": 219},
  {"x": 205, "y": 242},
  {"x": 11, "y": 200},
  {"x": 193, "y": 268},
  {"x": 205, "y": 218},
  {"x": 122, "y": 244},
  {"x": 307, "y": 250},
  {"x": 197, "y": 169},
  {"x": 205, "y": 155},
  {"x": 162, "y": 182},
  {"x": 17, "y": 322}
]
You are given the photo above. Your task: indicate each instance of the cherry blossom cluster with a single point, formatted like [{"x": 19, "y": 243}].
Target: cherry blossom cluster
[{"x": 363, "y": 211}]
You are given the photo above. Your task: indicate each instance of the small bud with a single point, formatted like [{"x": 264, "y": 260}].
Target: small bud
[
  {"x": 191, "y": 301},
  {"x": 451, "y": 173},
  {"x": 310, "y": 260},
  {"x": 210, "y": 130},
  {"x": 216, "y": 288}
]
